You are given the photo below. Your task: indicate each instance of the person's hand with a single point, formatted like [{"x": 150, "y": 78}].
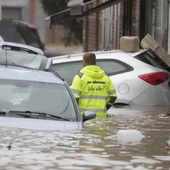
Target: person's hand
[{"x": 108, "y": 106}]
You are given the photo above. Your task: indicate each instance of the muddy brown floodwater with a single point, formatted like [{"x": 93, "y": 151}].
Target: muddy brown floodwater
[{"x": 96, "y": 147}]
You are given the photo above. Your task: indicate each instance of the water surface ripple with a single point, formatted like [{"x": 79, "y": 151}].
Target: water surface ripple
[{"x": 95, "y": 147}]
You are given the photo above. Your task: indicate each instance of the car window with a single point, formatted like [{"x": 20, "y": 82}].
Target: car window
[
  {"x": 111, "y": 67},
  {"x": 68, "y": 70},
  {"x": 151, "y": 59},
  {"x": 50, "y": 98}
]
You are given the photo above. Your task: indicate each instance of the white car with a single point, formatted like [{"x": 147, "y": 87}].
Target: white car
[
  {"x": 16, "y": 54},
  {"x": 139, "y": 77}
]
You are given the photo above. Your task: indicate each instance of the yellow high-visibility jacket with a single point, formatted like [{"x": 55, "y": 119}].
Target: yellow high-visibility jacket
[{"x": 93, "y": 88}]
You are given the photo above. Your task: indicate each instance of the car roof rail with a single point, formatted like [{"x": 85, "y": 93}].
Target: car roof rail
[
  {"x": 21, "y": 47},
  {"x": 56, "y": 73}
]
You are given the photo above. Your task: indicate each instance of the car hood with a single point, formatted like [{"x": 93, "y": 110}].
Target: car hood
[
  {"x": 31, "y": 37},
  {"x": 29, "y": 34},
  {"x": 39, "y": 124}
]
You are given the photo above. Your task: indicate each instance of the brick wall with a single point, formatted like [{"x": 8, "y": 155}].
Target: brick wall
[
  {"x": 31, "y": 9},
  {"x": 92, "y": 29}
]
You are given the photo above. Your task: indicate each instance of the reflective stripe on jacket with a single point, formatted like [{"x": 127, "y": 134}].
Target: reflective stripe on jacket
[{"x": 93, "y": 89}]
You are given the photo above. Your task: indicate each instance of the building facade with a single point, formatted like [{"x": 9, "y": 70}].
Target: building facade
[
  {"x": 29, "y": 11},
  {"x": 126, "y": 18},
  {"x": 103, "y": 28}
]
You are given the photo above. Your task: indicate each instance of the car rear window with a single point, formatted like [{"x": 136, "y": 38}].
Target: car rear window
[
  {"x": 153, "y": 60},
  {"x": 113, "y": 67}
]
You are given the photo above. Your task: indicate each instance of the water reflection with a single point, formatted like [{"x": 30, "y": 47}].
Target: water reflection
[{"x": 94, "y": 148}]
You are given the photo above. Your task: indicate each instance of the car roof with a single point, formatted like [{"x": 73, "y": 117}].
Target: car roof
[
  {"x": 16, "y": 73},
  {"x": 118, "y": 52},
  {"x": 36, "y": 56}
]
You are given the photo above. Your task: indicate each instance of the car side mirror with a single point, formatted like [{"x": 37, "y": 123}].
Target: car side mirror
[{"x": 87, "y": 115}]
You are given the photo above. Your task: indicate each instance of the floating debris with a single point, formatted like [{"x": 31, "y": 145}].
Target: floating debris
[
  {"x": 9, "y": 147},
  {"x": 64, "y": 145},
  {"x": 130, "y": 135}
]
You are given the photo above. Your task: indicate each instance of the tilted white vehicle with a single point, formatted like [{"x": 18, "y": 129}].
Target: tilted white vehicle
[
  {"x": 16, "y": 54},
  {"x": 140, "y": 78}
]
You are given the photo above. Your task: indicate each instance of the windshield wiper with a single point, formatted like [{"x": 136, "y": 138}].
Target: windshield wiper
[
  {"x": 38, "y": 115},
  {"x": 57, "y": 117},
  {"x": 10, "y": 63}
]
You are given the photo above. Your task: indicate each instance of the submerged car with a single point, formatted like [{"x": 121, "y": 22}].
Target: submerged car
[
  {"x": 139, "y": 77},
  {"x": 32, "y": 98},
  {"x": 19, "y": 31}
]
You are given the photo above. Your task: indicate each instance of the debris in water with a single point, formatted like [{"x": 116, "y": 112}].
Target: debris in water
[{"x": 130, "y": 135}]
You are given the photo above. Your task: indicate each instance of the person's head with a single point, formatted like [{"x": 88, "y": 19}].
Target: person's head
[{"x": 89, "y": 59}]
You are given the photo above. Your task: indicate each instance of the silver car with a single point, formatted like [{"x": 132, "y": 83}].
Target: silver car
[
  {"x": 23, "y": 55},
  {"x": 32, "y": 98},
  {"x": 140, "y": 78}
]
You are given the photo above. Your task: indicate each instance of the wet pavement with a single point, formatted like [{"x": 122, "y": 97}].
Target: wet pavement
[{"x": 96, "y": 147}]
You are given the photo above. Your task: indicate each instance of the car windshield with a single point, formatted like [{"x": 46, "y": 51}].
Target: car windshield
[{"x": 36, "y": 97}]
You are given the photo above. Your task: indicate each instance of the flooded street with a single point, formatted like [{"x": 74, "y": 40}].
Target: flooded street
[{"x": 94, "y": 148}]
